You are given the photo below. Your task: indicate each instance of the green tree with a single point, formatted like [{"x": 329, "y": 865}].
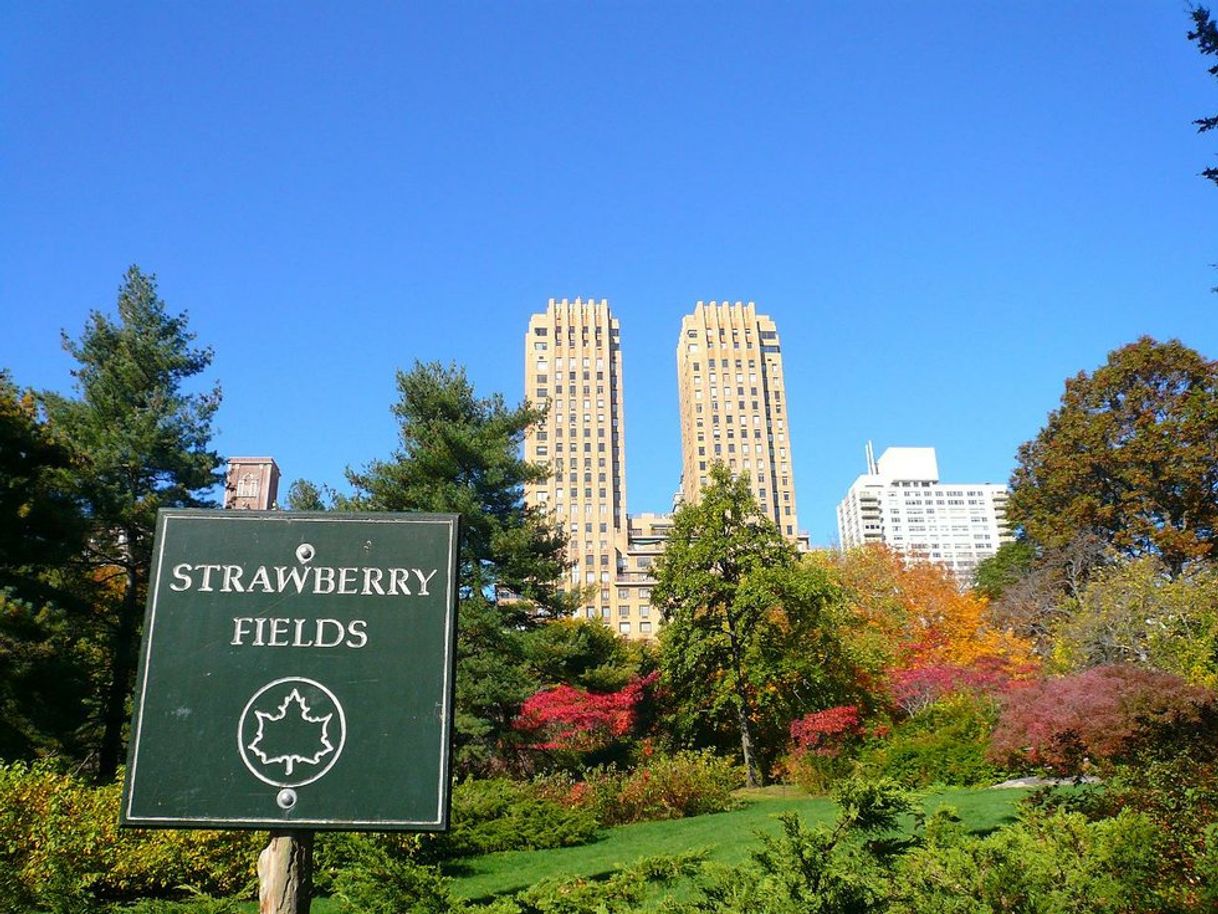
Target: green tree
[
  {"x": 41, "y": 526},
  {"x": 1131, "y": 455},
  {"x": 713, "y": 585},
  {"x": 42, "y": 532},
  {"x": 307, "y": 496},
  {"x": 1002, "y": 569},
  {"x": 142, "y": 444},
  {"x": 587, "y": 654},
  {"x": 460, "y": 453}
]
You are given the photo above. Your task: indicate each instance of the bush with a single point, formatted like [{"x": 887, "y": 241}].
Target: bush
[
  {"x": 60, "y": 844},
  {"x": 499, "y": 815},
  {"x": 944, "y": 744},
  {"x": 1102, "y": 715},
  {"x": 916, "y": 689},
  {"x": 621, "y": 892},
  {"x": 818, "y": 868},
  {"x": 377, "y": 881},
  {"x": 1054, "y": 864},
  {"x": 664, "y": 787}
]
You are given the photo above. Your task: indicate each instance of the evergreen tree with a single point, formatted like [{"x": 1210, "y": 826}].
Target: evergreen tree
[
  {"x": 41, "y": 527},
  {"x": 43, "y": 676},
  {"x": 142, "y": 444},
  {"x": 460, "y": 453}
]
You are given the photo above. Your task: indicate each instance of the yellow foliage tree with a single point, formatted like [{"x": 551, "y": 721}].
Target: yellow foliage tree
[{"x": 913, "y": 614}]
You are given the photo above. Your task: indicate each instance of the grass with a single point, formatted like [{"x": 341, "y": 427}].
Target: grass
[{"x": 725, "y": 837}]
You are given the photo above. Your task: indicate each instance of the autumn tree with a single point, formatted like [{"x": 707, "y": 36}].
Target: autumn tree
[
  {"x": 142, "y": 443},
  {"x": 914, "y": 614},
  {"x": 1130, "y": 456},
  {"x": 459, "y": 452},
  {"x": 1135, "y": 613},
  {"x": 1205, "y": 33},
  {"x": 1097, "y": 716},
  {"x": 712, "y": 588}
]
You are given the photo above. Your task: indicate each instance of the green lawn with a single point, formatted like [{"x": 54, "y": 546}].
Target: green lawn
[{"x": 725, "y": 837}]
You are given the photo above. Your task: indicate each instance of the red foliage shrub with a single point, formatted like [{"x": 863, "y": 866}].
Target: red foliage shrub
[
  {"x": 914, "y": 690},
  {"x": 824, "y": 732},
  {"x": 571, "y": 719},
  {"x": 1100, "y": 715}
]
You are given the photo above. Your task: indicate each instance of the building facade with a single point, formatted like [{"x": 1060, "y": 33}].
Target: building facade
[
  {"x": 901, "y": 503},
  {"x": 733, "y": 405},
  {"x": 573, "y": 363},
  {"x": 251, "y": 484}
]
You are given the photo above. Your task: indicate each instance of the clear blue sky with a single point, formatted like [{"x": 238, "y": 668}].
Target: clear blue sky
[{"x": 947, "y": 207}]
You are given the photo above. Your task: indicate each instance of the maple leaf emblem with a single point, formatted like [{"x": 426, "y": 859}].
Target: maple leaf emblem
[{"x": 292, "y": 735}]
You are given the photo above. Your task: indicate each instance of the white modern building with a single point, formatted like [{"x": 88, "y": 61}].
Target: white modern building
[{"x": 901, "y": 503}]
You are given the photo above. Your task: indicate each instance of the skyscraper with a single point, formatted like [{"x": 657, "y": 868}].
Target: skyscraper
[
  {"x": 901, "y": 503},
  {"x": 733, "y": 405},
  {"x": 573, "y": 361}
]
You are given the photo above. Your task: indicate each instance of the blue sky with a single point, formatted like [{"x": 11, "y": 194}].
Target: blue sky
[{"x": 947, "y": 207}]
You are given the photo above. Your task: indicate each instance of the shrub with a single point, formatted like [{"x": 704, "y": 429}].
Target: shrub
[
  {"x": 916, "y": 689},
  {"x": 944, "y": 744},
  {"x": 821, "y": 747},
  {"x": 1056, "y": 864},
  {"x": 1102, "y": 715},
  {"x": 619, "y": 893},
  {"x": 377, "y": 881},
  {"x": 568, "y": 719},
  {"x": 825, "y": 732},
  {"x": 60, "y": 841},
  {"x": 664, "y": 787},
  {"x": 818, "y": 868},
  {"x": 499, "y": 814}
]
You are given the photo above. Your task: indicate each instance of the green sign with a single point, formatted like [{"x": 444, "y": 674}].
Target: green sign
[{"x": 296, "y": 672}]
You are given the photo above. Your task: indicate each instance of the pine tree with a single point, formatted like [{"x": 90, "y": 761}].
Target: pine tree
[
  {"x": 142, "y": 444},
  {"x": 460, "y": 453}
]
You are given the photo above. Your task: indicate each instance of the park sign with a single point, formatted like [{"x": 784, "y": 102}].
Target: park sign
[{"x": 296, "y": 672}]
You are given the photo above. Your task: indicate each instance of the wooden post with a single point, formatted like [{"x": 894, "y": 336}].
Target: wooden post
[{"x": 285, "y": 873}]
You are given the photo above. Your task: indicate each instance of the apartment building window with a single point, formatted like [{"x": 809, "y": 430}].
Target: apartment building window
[{"x": 624, "y": 628}]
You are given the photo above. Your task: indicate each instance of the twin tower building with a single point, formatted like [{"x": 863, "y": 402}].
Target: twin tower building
[{"x": 733, "y": 408}]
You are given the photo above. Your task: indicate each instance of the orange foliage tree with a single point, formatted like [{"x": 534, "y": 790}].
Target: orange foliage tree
[{"x": 914, "y": 615}]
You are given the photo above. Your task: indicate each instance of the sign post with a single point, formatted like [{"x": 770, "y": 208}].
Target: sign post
[{"x": 296, "y": 673}]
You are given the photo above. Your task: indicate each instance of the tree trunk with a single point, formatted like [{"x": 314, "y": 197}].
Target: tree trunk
[
  {"x": 114, "y": 715},
  {"x": 285, "y": 873},
  {"x": 743, "y": 713}
]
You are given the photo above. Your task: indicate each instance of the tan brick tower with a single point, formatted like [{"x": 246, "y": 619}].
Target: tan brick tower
[
  {"x": 573, "y": 362},
  {"x": 733, "y": 405}
]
